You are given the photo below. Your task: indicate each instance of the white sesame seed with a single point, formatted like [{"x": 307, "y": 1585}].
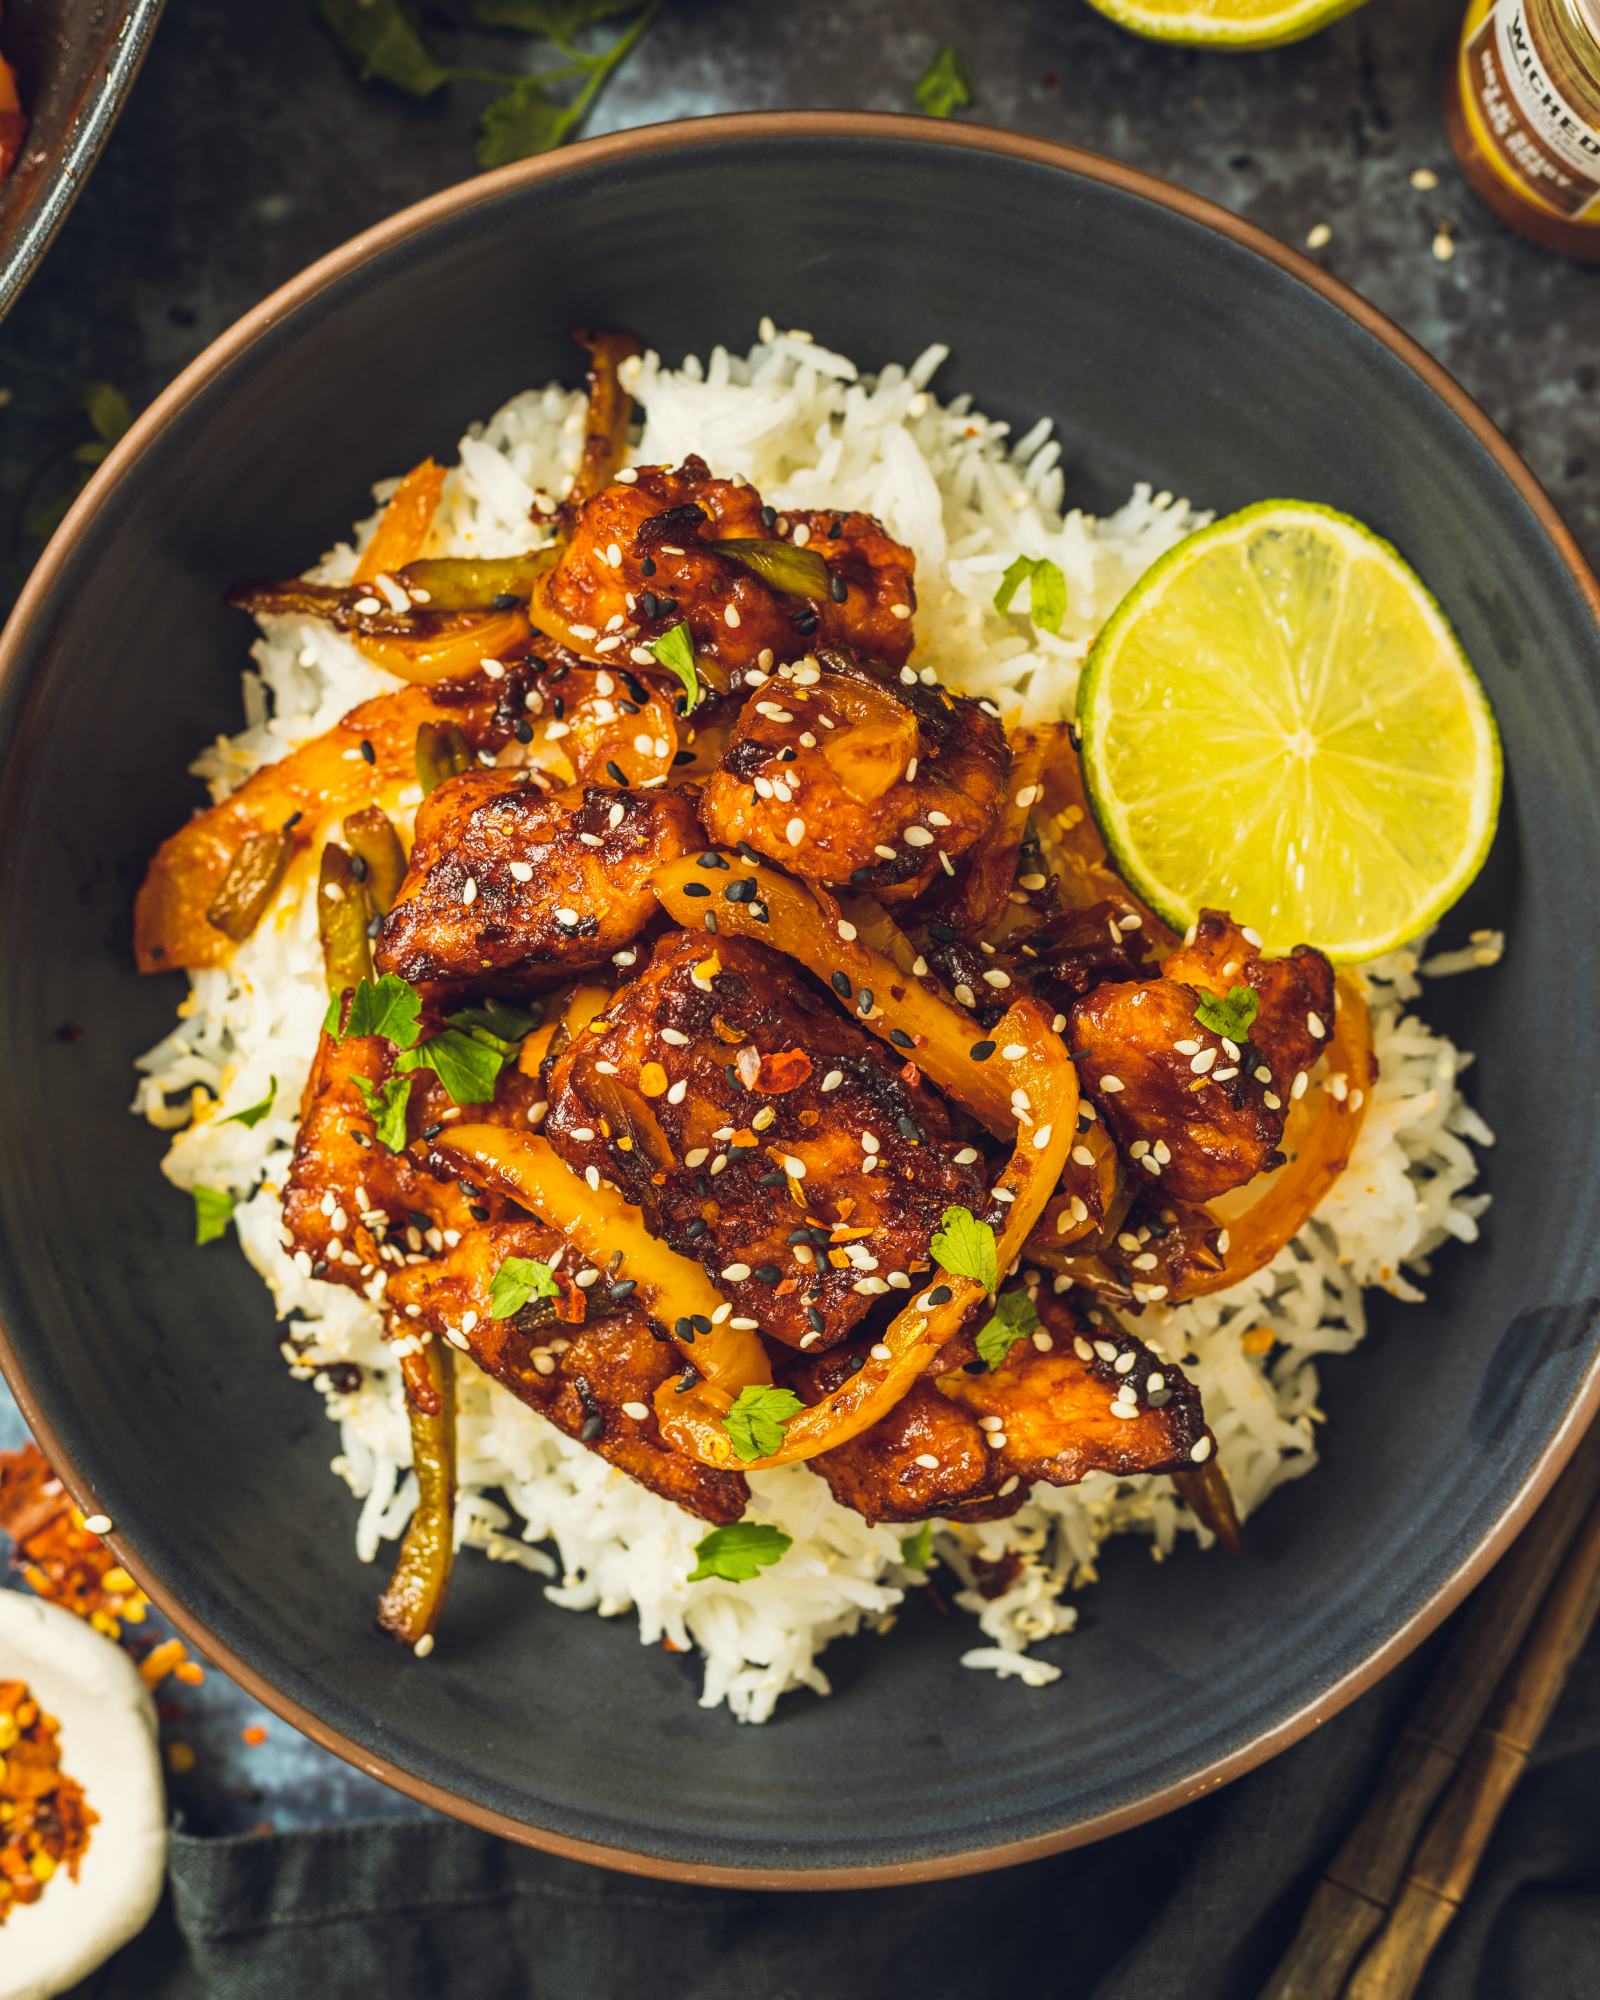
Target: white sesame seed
[
  {"x": 1202, "y": 1062},
  {"x": 614, "y": 555},
  {"x": 1041, "y": 1138},
  {"x": 565, "y": 916},
  {"x": 967, "y": 1156},
  {"x": 730, "y": 616},
  {"x": 994, "y": 977},
  {"x": 1111, "y": 1085},
  {"x": 1314, "y": 1027},
  {"x": 1200, "y": 1450},
  {"x": 734, "y": 1272},
  {"x": 638, "y": 1411},
  {"x": 97, "y": 1524},
  {"x": 833, "y": 1079},
  {"x": 795, "y": 831},
  {"x": 884, "y": 853},
  {"x": 881, "y": 1353},
  {"x": 1298, "y": 1087},
  {"x": 469, "y": 892},
  {"x": 917, "y": 836},
  {"x": 899, "y": 610},
  {"x": 927, "y": 1460},
  {"x": 1083, "y": 1156}
]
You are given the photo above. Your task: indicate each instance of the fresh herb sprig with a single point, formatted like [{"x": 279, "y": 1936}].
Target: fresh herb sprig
[
  {"x": 1232, "y": 1018},
  {"x": 1047, "y": 590},
  {"x": 535, "y": 112},
  {"x": 738, "y": 1553},
  {"x": 966, "y": 1248},
  {"x": 1014, "y": 1318},
  {"x": 944, "y": 86}
]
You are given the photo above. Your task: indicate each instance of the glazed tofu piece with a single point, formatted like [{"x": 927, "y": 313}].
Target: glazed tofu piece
[
  {"x": 353, "y": 1209},
  {"x": 1198, "y": 1110},
  {"x": 586, "y": 1359},
  {"x": 642, "y": 558},
  {"x": 1075, "y": 1398},
  {"x": 508, "y": 878},
  {"x": 843, "y": 772},
  {"x": 762, "y": 1133}
]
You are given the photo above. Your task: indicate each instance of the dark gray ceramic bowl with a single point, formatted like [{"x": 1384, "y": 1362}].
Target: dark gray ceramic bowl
[
  {"x": 75, "y": 62},
  {"x": 1168, "y": 342}
]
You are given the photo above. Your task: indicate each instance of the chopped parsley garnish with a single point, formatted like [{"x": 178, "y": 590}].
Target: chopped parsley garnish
[
  {"x": 675, "y": 651},
  {"x": 468, "y": 1068},
  {"x": 109, "y": 414},
  {"x": 213, "y": 1208},
  {"x": 1233, "y": 1017},
  {"x": 736, "y": 1553},
  {"x": 1047, "y": 590},
  {"x": 387, "y": 1108},
  {"x": 384, "y": 39},
  {"x": 916, "y": 1551},
  {"x": 944, "y": 86},
  {"x": 496, "y": 1021},
  {"x": 518, "y": 1280},
  {"x": 388, "y": 1006},
  {"x": 1013, "y": 1319},
  {"x": 256, "y": 1112},
  {"x": 965, "y": 1247},
  {"x": 759, "y": 1415}
]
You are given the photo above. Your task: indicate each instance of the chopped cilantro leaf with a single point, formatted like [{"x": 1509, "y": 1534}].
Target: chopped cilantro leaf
[
  {"x": 758, "y": 1417},
  {"x": 965, "y": 1247},
  {"x": 1013, "y": 1319},
  {"x": 387, "y": 1107},
  {"x": 675, "y": 651},
  {"x": 916, "y": 1551},
  {"x": 213, "y": 1208},
  {"x": 518, "y": 1280},
  {"x": 1233, "y": 1017},
  {"x": 735, "y": 1554},
  {"x": 468, "y": 1068},
  {"x": 1047, "y": 590},
  {"x": 495, "y": 1021},
  {"x": 382, "y": 37},
  {"x": 387, "y": 1006},
  {"x": 944, "y": 85},
  {"x": 253, "y": 1116}
]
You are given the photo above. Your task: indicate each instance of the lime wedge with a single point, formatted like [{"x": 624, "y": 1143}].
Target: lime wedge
[
  {"x": 1278, "y": 721},
  {"x": 1225, "y": 24}
]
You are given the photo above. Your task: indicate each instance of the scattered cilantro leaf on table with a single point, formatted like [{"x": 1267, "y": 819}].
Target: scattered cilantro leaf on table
[{"x": 943, "y": 86}]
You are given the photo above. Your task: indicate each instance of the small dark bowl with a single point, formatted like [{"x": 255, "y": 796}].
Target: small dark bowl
[
  {"x": 75, "y": 62},
  {"x": 1169, "y": 342}
]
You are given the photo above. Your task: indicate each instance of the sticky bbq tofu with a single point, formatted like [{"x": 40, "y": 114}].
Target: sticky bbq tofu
[
  {"x": 763, "y": 1134},
  {"x": 642, "y": 558},
  {"x": 1199, "y": 1110},
  {"x": 844, "y": 772},
  {"x": 508, "y": 878},
  {"x": 1073, "y": 1398},
  {"x": 587, "y": 1359},
  {"x": 354, "y": 1210}
]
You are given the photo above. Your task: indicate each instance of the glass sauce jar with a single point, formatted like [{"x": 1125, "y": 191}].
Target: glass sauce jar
[{"x": 1522, "y": 103}]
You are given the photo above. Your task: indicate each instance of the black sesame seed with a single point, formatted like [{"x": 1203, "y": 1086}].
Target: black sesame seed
[
  {"x": 358, "y": 867},
  {"x": 684, "y": 757},
  {"x": 769, "y": 517},
  {"x": 835, "y": 530},
  {"x": 735, "y": 1082},
  {"x": 942, "y": 932},
  {"x": 505, "y": 600},
  {"x": 856, "y": 1363},
  {"x": 798, "y": 1236},
  {"x": 615, "y": 772},
  {"x": 429, "y": 1132},
  {"x": 624, "y": 1288},
  {"x": 750, "y": 853},
  {"x": 647, "y": 603},
  {"x": 700, "y": 1323},
  {"x": 695, "y": 889},
  {"x": 710, "y": 859},
  {"x": 841, "y": 985},
  {"x": 815, "y": 1320},
  {"x": 292, "y": 821},
  {"x": 367, "y": 751},
  {"x": 627, "y": 707},
  {"x": 477, "y": 1212},
  {"x": 648, "y": 565},
  {"x": 711, "y": 920},
  {"x": 901, "y": 1039},
  {"x": 861, "y": 874},
  {"x": 974, "y": 1367},
  {"x": 558, "y": 672},
  {"x": 522, "y": 729},
  {"x": 592, "y": 1428},
  {"x": 558, "y": 706},
  {"x": 864, "y": 999},
  {"x": 759, "y": 912},
  {"x": 908, "y": 1128},
  {"x": 771, "y": 1180},
  {"x": 666, "y": 606},
  {"x": 702, "y": 1187},
  {"x": 684, "y": 1329},
  {"x": 374, "y": 924},
  {"x": 838, "y": 589},
  {"x": 741, "y": 891},
  {"x": 941, "y": 1295},
  {"x": 687, "y": 1380},
  {"x": 319, "y": 1267},
  {"x": 697, "y": 1227},
  {"x": 981, "y": 1051}
]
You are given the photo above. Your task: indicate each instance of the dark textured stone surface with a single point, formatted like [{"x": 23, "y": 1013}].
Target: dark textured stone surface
[{"x": 249, "y": 149}]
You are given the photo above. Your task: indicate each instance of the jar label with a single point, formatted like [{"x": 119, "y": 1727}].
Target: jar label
[{"x": 1522, "y": 120}]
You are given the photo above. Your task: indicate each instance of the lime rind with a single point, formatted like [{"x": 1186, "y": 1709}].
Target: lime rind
[
  {"x": 1406, "y": 877},
  {"x": 1212, "y": 27}
]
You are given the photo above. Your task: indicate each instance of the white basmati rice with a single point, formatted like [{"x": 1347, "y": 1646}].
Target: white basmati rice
[{"x": 809, "y": 429}]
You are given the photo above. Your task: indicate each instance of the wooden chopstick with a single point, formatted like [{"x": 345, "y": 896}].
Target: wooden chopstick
[
  {"x": 1352, "y": 1901},
  {"x": 1459, "y": 1831}
]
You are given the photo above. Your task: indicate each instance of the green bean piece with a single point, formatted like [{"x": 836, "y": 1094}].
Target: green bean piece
[
  {"x": 379, "y": 859},
  {"x": 250, "y": 883},
  {"x": 343, "y": 914},
  {"x": 780, "y": 565},
  {"x": 409, "y": 1609},
  {"x": 476, "y": 583},
  {"x": 442, "y": 752}
]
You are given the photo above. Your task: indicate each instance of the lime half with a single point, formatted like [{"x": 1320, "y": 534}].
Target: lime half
[
  {"x": 1279, "y": 722},
  {"x": 1225, "y": 24}
]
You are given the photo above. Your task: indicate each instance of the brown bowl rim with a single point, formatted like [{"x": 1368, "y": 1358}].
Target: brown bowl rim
[{"x": 628, "y": 146}]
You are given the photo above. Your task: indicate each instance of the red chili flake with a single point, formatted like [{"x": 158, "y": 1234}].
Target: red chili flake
[
  {"x": 573, "y": 1304},
  {"x": 774, "y": 1074},
  {"x": 44, "y": 1818},
  {"x": 255, "y": 1735}
]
